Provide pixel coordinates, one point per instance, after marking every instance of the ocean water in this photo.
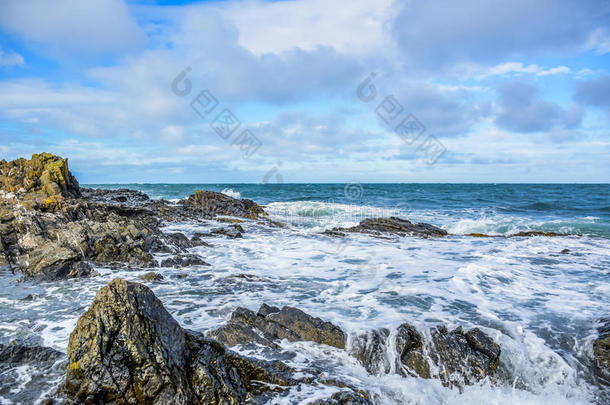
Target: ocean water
(541, 306)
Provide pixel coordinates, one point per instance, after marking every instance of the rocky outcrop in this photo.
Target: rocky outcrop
(601, 351)
(128, 349)
(43, 182)
(210, 204)
(49, 230)
(271, 324)
(392, 225)
(456, 357)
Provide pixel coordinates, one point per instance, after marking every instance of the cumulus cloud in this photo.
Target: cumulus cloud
(521, 110)
(63, 26)
(438, 34)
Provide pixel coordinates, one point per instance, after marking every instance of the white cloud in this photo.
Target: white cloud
(10, 59)
(65, 26)
(354, 26)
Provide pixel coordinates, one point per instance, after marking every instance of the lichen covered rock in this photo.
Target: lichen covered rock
(128, 349)
(44, 180)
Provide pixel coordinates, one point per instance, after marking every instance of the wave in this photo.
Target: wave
(231, 193)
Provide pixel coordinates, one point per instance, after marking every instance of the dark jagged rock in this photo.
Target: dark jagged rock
(128, 349)
(50, 230)
(455, 357)
(231, 232)
(210, 204)
(601, 351)
(17, 352)
(371, 351)
(274, 323)
(392, 225)
(184, 260)
(124, 197)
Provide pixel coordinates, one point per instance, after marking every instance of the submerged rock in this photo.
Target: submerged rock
(151, 276)
(601, 351)
(455, 357)
(210, 204)
(128, 349)
(392, 225)
(184, 260)
(271, 323)
(17, 352)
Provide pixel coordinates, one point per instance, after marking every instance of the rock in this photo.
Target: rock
(125, 197)
(231, 233)
(535, 233)
(17, 352)
(477, 235)
(273, 323)
(128, 349)
(371, 351)
(601, 351)
(43, 182)
(456, 358)
(184, 260)
(151, 276)
(210, 204)
(345, 398)
(60, 239)
(392, 225)
(565, 251)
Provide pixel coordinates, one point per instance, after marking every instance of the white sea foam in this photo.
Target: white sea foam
(231, 193)
(538, 304)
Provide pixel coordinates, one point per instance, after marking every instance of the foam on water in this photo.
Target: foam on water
(541, 306)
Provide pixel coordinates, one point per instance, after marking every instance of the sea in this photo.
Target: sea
(540, 298)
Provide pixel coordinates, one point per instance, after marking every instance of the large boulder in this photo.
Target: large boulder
(210, 204)
(391, 225)
(456, 357)
(44, 181)
(128, 349)
(601, 351)
(272, 323)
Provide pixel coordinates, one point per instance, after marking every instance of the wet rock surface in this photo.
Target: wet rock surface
(456, 357)
(128, 349)
(601, 351)
(210, 204)
(272, 323)
(392, 225)
(52, 229)
(18, 352)
(184, 260)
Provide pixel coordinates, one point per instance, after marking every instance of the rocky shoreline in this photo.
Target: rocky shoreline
(127, 348)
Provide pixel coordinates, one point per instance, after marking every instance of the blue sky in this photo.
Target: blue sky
(501, 91)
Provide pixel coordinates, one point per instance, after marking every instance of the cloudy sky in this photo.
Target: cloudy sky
(310, 90)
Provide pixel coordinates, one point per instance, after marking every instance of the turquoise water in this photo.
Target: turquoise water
(582, 209)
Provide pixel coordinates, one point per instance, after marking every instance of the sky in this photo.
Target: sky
(309, 90)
